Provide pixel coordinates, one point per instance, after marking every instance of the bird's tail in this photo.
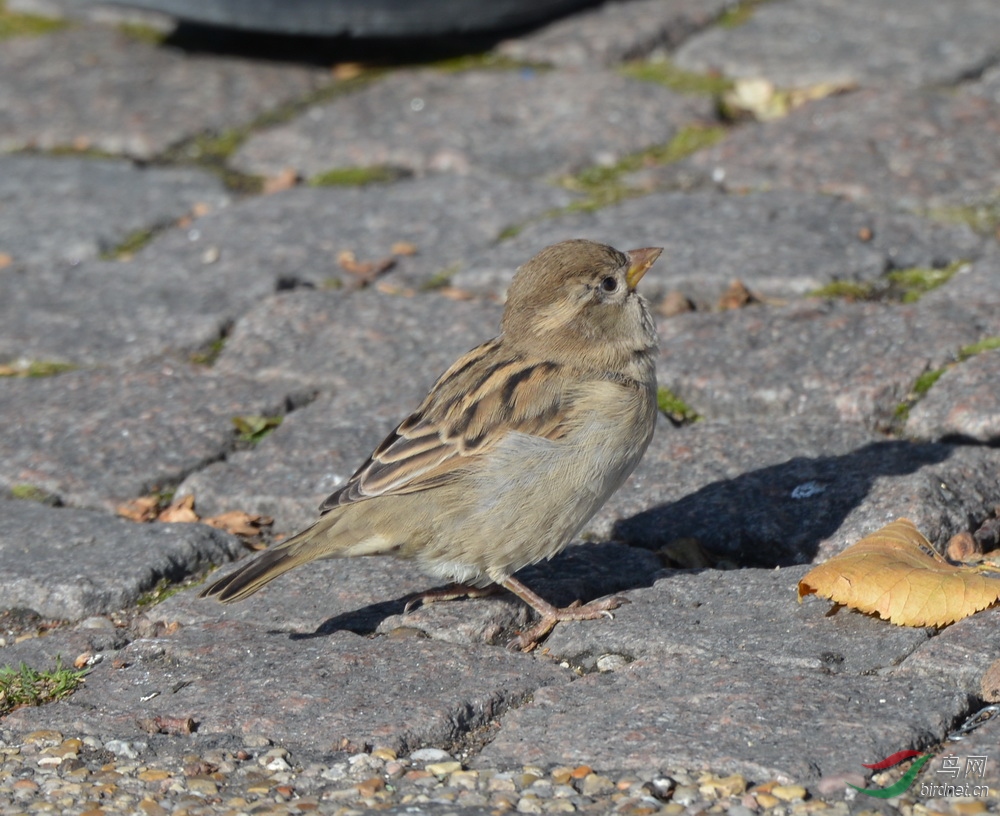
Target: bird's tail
(245, 581)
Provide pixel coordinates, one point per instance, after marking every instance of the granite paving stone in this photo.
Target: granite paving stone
(88, 87)
(779, 244)
(90, 206)
(927, 151)
(190, 283)
(748, 613)
(430, 120)
(848, 362)
(65, 563)
(338, 692)
(295, 237)
(895, 42)
(727, 713)
(612, 32)
(96, 438)
(327, 339)
(962, 404)
(108, 312)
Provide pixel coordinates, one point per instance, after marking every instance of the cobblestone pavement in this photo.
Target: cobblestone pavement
(228, 266)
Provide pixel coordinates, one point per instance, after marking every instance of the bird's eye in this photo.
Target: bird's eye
(609, 284)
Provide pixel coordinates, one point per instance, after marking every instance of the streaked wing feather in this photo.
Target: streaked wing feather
(484, 396)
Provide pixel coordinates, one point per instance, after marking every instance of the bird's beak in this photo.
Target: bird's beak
(639, 260)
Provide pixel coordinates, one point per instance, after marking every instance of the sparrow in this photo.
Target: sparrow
(514, 448)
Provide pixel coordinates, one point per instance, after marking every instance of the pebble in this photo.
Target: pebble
(430, 755)
(789, 793)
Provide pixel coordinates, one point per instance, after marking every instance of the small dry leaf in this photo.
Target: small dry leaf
(239, 522)
(365, 272)
(865, 234)
(454, 293)
(403, 248)
(347, 70)
(895, 574)
(962, 547)
(674, 303)
(180, 511)
(736, 297)
(5, 260)
(167, 725)
(762, 100)
(284, 180)
(143, 508)
(394, 289)
(82, 661)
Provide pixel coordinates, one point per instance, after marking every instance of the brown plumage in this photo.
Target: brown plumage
(515, 447)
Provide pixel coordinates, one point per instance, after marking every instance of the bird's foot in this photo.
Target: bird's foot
(451, 592)
(551, 615)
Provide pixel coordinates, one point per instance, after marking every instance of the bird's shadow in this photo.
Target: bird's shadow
(779, 515)
(773, 516)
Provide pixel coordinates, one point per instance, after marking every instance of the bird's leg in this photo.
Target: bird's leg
(449, 593)
(551, 615)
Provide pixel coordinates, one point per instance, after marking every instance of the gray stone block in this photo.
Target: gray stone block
(68, 564)
(73, 209)
(524, 124)
(779, 244)
(89, 88)
(849, 362)
(963, 403)
(97, 438)
(883, 147)
(338, 693)
(893, 42)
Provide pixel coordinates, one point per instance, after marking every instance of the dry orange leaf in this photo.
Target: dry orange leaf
(239, 522)
(896, 574)
(180, 511)
(141, 509)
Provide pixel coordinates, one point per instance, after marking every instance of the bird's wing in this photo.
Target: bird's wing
(484, 396)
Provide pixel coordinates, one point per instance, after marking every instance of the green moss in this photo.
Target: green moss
(251, 429)
(25, 686)
(490, 60)
(674, 408)
(909, 285)
(29, 492)
(510, 231)
(983, 217)
(207, 355)
(129, 245)
(986, 344)
(440, 279)
(602, 184)
(26, 25)
(354, 176)
(664, 72)
(35, 368)
(143, 33)
(926, 380)
(849, 290)
(737, 15)
(164, 589)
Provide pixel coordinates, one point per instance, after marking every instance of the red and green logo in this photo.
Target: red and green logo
(904, 782)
